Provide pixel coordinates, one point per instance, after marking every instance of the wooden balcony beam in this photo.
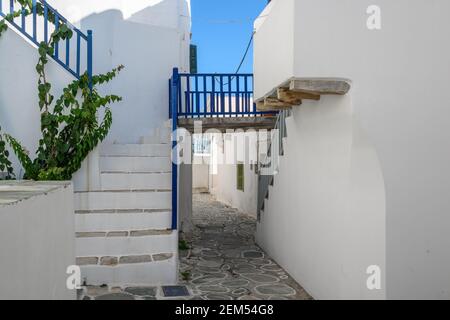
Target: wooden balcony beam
(320, 86)
(294, 91)
(223, 124)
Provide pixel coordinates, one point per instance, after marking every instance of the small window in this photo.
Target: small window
(201, 145)
(240, 176)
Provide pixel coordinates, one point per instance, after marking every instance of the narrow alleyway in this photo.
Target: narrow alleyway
(223, 262)
(218, 261)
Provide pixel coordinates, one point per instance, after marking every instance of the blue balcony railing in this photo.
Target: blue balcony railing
(214, 95)
(39, 21)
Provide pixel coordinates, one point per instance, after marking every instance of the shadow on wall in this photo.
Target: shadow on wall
(161, 14)
(150, 43)
(149, 53)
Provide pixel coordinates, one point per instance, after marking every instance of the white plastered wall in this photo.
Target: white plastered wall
(315, 222)
(229, 150)
(37, 245)
(400, 104)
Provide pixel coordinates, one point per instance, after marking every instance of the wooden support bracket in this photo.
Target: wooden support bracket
(277, 104)
(294, 97)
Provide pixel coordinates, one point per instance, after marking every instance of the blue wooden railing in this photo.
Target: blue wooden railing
(214, 95)
(37, 26)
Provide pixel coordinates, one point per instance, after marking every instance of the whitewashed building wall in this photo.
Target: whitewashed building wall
(393, 140)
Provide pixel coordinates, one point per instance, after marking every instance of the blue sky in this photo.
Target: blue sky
(222, 29)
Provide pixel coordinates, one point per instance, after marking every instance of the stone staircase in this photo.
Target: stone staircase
(123, 228)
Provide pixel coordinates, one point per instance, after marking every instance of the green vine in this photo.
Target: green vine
(5, 164)
(6, 168)
(70, 126)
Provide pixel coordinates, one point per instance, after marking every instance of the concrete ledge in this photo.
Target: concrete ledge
(12, 192)
(123, 234)
(293, 91)
(113, 261)
(37, 240)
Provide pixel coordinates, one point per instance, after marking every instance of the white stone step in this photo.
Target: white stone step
(136, 181)
(107, 222)
(152, 273)
(156, 140)
(136, 150)
(160, 135)
(102, 246)
(128, 200)
(135, 164)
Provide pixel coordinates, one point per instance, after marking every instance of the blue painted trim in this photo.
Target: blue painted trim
(205, 95)
(174, 107)
(200, 75)
(32, 36)
(67, 52)
(188, 94)
(34, 20)
(56, 44)
(232, 115)
(89, 57)
(78, 54)
(23, 15)
(197, 95)
(170, 98)
(45, 22)
(238, 96)
(213, 94)
(222, 96)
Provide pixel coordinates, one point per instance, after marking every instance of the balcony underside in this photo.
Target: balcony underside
(223, 124)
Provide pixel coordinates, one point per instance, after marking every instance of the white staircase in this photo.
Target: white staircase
(123, 228)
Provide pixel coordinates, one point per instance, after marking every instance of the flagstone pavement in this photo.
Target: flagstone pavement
(221, 262)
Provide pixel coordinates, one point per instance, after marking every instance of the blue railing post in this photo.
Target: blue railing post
(89, 57)
(170, 98)
(78, 63)
(56, 43)
(34, 20)
(174, 107)
(45, 22)
(23, 12)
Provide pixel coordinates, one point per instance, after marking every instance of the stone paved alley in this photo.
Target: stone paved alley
(222, 262)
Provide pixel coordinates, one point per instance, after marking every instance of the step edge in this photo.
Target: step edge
(132, 156)
(134, 172)
(125, 191)
(123, 211)
(115, 260)
(120, 234)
